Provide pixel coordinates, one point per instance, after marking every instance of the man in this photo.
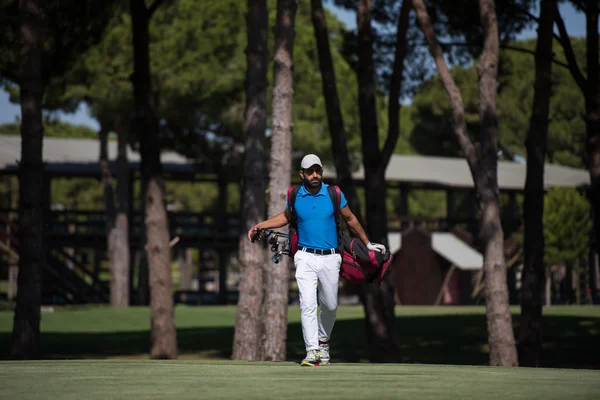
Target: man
(317, 260)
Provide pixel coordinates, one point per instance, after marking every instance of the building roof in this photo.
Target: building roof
(457, 252)
(455, 172)
(79, 155)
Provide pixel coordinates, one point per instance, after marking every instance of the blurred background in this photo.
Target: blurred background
(140, 140)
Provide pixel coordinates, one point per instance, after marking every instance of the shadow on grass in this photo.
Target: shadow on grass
(570, 342)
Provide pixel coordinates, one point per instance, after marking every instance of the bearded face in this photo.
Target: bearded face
(312, 176)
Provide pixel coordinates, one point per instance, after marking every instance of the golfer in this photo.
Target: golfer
(318, 259)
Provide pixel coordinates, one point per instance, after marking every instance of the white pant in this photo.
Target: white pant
(317, 276)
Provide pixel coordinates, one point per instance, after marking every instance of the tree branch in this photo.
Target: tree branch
(532, 52)
(396, 86)
(526, 13)
(565, 41)
(6, 248)
(508, 47)
(455, 97)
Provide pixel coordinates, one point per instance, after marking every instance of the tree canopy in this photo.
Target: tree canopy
(431, 115)
(567, 226)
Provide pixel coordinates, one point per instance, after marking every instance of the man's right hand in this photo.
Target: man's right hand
(251, 231)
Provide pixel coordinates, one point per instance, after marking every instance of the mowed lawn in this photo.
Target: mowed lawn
(139, 379)
(428, 335)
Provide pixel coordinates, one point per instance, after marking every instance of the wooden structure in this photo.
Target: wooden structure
(219, 231)
(435, 268)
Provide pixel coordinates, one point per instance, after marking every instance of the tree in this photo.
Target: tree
(590, 87)
(378, 301)
(49, 39)
(567, 225)
(117, 217)
(163, 335)
(483, 166)
(567, 228)
(500, 331)
(54, 128)
(26, 327)
(71, 29)
(247, 336)
(335, 120)
(530, 331)
(430, 113)
(280, 171)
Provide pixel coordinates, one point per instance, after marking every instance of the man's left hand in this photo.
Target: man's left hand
(376, 246)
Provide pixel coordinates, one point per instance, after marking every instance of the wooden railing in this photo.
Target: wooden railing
(93, 223)
(207, 224)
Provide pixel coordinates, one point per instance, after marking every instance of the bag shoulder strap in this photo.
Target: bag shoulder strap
(291, 199)
(334, 194)
(336, 198)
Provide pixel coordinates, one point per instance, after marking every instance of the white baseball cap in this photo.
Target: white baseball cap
(309, 160)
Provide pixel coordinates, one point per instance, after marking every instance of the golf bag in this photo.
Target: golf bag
(359, 264)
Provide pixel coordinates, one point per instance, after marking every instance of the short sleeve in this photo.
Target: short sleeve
(343, 201)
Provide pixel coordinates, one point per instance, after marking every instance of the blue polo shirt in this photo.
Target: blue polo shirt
(316, 220)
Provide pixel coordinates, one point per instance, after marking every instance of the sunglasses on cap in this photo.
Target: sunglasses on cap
(310, 171)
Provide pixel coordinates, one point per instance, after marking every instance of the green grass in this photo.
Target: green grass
(429, 335)
(78, 379)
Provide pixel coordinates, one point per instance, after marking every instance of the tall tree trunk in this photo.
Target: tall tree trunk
(592, 112)
(378, 301)
(248, 326)
(534, 271)
(500, 331)
(339, 148)
(26, 327)
(143, 283)
(280, 171)
(120, 266)
(163, 335)
(590, 88)
(484, 171)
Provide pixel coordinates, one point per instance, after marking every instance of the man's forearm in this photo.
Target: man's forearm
(357, 229)
(276, 221)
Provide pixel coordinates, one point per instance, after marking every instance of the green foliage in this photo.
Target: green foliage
(431, 115)
(77, 194)
(567, 225)
(70, 28)
(200, 196)
(198, 70)
(53, 128)
(311, 132)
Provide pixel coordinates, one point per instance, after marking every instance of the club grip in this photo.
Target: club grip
(255, 236)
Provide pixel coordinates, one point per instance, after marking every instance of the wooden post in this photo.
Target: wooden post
(46, 215)
(223, 258)
(403, 206)
(596, 272)
(222, 231)
(13, 266)
(450, 208)
(200, 280)
(185, 268)
(548, 286)
(513, 217)
(132, 250)
(444, 285)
